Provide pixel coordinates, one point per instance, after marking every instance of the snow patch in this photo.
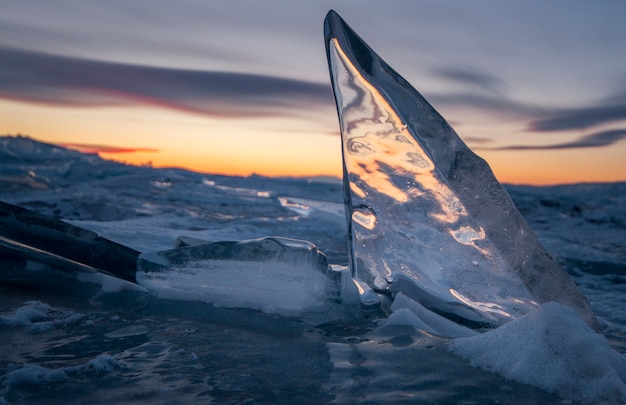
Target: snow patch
(40, 317)
(32, 374)
(553, 349)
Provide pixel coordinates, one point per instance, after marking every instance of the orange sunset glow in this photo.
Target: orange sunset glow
(230, 98)
(187, 141)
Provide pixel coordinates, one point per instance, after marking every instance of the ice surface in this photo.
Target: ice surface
(553, 349)
(273, 274)
(585, 223)
(189, 351)
(424, 212)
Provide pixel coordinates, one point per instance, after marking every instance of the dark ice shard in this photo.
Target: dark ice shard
(27, 235)
(426, 216)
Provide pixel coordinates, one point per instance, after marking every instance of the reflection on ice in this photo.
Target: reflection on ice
(305, 206)
(237, 190)
(295, 206)
(426, 216)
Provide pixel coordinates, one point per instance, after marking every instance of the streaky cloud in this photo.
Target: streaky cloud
(60, 80)
(490, 94)
(580, 118)
(594, 140)
(539, 118)
(94, 148)
(491, 103)
(477, 79)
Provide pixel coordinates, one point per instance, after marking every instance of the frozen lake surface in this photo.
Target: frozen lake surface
(90, 338)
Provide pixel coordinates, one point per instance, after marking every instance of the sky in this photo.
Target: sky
(538, 89)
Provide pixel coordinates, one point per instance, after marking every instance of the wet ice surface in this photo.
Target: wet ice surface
(64, 340)
(170, 352)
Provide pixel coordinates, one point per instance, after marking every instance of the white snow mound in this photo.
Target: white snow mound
(553, 349)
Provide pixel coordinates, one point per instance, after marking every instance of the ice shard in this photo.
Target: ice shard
(27, 235)
(426, 216)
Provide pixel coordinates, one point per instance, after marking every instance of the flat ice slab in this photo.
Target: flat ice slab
(272, 274)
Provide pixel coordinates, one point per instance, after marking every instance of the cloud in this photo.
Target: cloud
(606, 111)
(95, 149)
(580, 118)
(481, 80)
(594, 140)
(491, 95)
(539, 118)
(45, 78)
(498, 105)
(481, 91)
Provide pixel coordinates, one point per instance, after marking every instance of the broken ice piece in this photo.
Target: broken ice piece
(426, 216)
(273, 274)
(31, 236)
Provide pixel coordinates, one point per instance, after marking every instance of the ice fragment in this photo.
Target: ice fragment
(426, 216)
